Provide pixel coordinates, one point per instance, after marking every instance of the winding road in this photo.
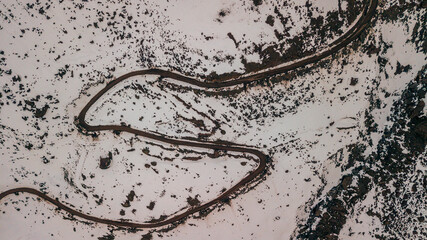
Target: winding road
(360, 24)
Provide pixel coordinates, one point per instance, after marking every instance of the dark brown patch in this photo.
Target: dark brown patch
(105, 163)
(151, 206)
(193, 201)
(270, 20)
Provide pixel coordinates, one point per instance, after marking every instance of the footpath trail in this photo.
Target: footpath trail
(360, 24)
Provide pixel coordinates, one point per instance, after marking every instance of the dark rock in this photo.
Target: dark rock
(421, 129)
(193, 201)
(418, 110)
(147, 236)
(372, 49)
(107, 237)
(151, 206)
(346, 181)
(131, 196)
(400, 68)
(270, 20)
(40, 112)
(257, 2)
(126, 204)
(45, 160)
(16, 78)
(29, 146)
(106, 162)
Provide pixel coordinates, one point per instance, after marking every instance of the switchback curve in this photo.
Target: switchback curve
(361, 24)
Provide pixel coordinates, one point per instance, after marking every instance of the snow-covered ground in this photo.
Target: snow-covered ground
(325, 126)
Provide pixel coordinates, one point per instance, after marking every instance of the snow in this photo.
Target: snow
(300, 123)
